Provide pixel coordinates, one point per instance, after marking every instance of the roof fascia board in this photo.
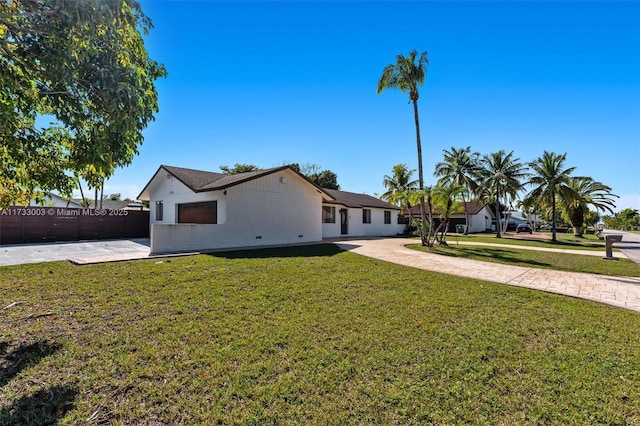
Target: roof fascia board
(149, 183)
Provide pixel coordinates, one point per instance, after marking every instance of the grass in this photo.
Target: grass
(564, 241)
(306, 335)
(538, 259)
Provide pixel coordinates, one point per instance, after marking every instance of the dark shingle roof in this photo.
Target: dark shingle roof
(193, 179)
(201, 181)
(351, 199)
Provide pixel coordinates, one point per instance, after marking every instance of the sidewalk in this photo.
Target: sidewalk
(623, 292)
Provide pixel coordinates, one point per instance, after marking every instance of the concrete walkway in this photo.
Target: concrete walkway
(623, 292)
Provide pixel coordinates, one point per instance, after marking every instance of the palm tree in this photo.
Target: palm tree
(447, 198)
(585, 191)
(399, 182)
(426, 195)
(406, 75)
(501, 176)
(460, 167)
(550, 179)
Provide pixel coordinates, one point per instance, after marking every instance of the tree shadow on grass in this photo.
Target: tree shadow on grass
(314, 250)
(13, 362)
(43, 407)
(494, 255)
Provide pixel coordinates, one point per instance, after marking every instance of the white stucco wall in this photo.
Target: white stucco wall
(281, 208)
(173, 192)
(377, 227)
(478, 221)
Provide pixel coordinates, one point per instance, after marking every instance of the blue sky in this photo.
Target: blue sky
(269, 83)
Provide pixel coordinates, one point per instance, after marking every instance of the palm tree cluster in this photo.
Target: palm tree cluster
(498, 179)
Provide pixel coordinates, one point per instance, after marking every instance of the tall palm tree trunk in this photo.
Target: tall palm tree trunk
(498, 222)
(466, 216)
(423, 215)
(553, 217)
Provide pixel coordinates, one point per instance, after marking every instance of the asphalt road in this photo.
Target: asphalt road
(630, 244)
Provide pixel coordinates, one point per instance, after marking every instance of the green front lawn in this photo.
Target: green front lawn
(306, 335)
(537, 259)
(564, 241)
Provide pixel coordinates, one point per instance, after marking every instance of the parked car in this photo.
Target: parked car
(524, 227)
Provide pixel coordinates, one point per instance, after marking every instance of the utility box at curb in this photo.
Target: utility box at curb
(609, 239)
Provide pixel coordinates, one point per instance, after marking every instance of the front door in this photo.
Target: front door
(344, 221)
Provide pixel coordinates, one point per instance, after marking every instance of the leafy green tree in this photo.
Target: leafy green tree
(83, 65)
(550, 179)
(627, 218)
(113, 197)
(238, 168)
(460, 167)
(501, 176)
(325, 179)
(399, 182)
(584, 192)
(407, 75)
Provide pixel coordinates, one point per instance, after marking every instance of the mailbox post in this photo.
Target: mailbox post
(609, 239)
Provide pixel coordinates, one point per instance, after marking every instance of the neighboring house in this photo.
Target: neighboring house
(481, 217)
(361, 215)
(54, 200)
(200, 210)
(514, 218)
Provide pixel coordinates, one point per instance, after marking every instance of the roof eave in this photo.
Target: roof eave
(139, 197)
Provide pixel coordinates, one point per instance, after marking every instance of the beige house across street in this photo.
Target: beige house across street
(195, 210)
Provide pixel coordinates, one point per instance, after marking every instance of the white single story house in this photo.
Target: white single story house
(199, 210)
